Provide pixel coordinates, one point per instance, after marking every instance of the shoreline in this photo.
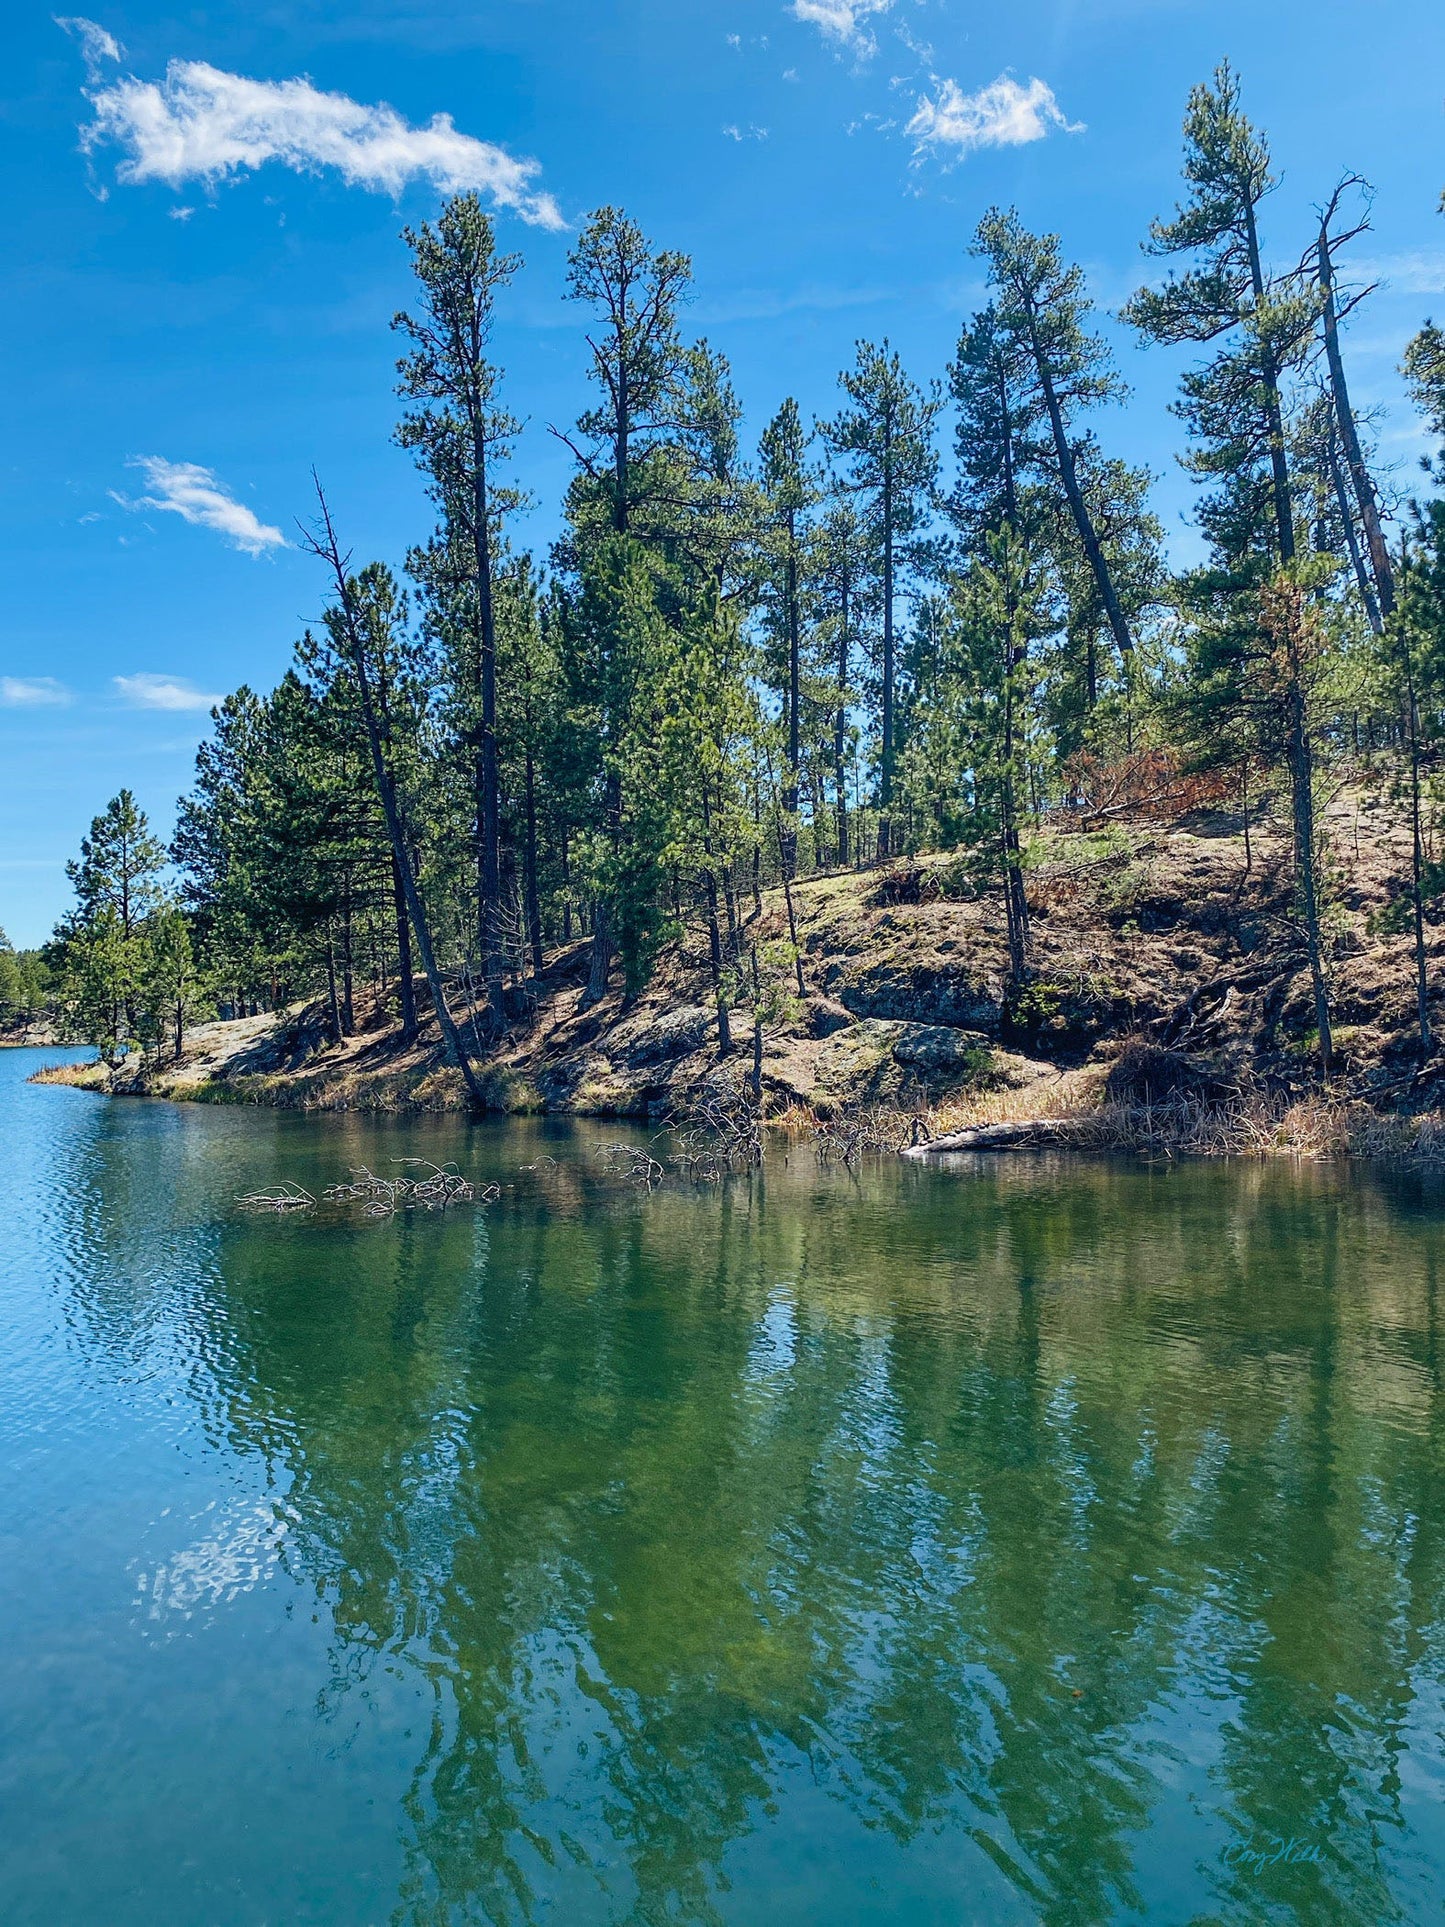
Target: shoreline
(1166, 1013)
(1320, 1127)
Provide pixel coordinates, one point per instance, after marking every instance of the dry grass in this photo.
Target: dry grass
(94, 1076)
(1073, 1112)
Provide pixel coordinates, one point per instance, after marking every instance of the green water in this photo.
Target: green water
(1030, 1542)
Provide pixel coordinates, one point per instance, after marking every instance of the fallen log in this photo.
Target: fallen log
(1017, 1134)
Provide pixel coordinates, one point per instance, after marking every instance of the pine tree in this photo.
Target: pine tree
(171, 981)
(626, 445)
(885, 441)
(25, 986)
(1042, 314)
(1424, 370)
(841, 575)
(215, 850)
(1414, 677)
(789, 491)
(1259, 326)
(460, 435)
(97, 952)
(118, 866)
(1257, 323)
(355, 627)
(636, 470)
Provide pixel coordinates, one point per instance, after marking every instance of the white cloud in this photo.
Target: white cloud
(1003, 114)
(96, 45)
(201, 124)
(748, 133)
(842, 21)
(145, 690)
(192, 492)
(32, 692)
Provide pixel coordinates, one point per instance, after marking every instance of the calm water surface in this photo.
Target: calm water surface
(1033, 1542)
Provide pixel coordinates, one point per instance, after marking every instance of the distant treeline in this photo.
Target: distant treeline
(26, 989)
(736, 667)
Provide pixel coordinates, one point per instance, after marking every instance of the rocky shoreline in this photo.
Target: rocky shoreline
(1162, 939)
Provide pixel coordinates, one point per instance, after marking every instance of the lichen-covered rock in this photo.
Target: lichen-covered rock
(660, 1038)
(893, 987)
(887, 1061)
(938, 1048)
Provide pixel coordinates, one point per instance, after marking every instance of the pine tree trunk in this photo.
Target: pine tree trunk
(601, 965)
(1425, 1042)
(714, 936)
(885, 779)
(1015, 896)
(488, 774)
(1078, 507)
(529, 864)
(407, 982)
(1273, 409)
(348, 1001)
(332, 997)
(795, 704)
(601, 955)
(715, 967)
(1301, 773)
(386, 789)
(840, 722)
(787, 889)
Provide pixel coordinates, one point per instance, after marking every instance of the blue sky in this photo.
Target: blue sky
(184, 342)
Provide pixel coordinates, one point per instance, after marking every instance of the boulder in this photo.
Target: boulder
(824, 1016)
(941, 1048)
(661, 1039)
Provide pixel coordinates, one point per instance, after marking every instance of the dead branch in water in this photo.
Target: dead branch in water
(437, 1186)
(719, 1131)
(290, 1197)
(880, 1131)
(634, 1162)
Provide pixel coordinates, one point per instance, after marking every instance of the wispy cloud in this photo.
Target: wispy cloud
(202, 124)
(96, 45)
(844, 22)
(748, 133)
(1417, 271)
(32, 692)
(767, 304)
(192, 492)
(146, 690)
(1003, 114)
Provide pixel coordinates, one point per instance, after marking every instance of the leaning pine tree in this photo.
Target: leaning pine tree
(1258, 629)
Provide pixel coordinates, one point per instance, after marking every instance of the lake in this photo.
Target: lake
(1031, 1541)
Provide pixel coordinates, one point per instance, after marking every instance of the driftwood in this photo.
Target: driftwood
(1016, 1134)
(290, 1197)
(435, 1187)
